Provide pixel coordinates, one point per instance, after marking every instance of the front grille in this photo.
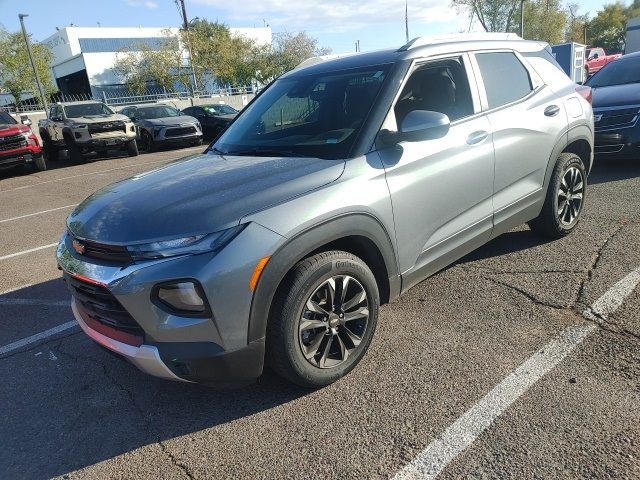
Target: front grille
(177, 132)
(13, 142)
(617, 119)
(103, 127)
(101, 251)
(99, 304)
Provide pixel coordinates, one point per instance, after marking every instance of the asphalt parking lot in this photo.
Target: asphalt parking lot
(489, 369)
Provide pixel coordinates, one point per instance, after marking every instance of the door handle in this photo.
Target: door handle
(477, 137)
(552, 110)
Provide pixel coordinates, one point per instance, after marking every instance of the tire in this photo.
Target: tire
(564, 199)
(326, 337)
(75, 155)
(40, 163)
(147, 142)
(48, 146)
(132, 148)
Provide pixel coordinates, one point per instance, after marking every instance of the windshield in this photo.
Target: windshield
(618, 72)
(86, 109)
(161, 111)
(220, 109)
(306, 115)
(5, 119)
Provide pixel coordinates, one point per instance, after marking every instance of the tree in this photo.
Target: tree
(493, 15)
(544, 20)
(16, 73)
(576, 24)
(286, 53)
(141, 64)
(608, 28)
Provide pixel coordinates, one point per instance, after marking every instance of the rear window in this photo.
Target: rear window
(505, 78)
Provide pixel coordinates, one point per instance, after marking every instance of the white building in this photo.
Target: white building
(83, 57)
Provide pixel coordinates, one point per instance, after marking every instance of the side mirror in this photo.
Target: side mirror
(25, 120)
(419, 125)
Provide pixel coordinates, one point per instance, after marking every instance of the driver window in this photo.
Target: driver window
(440, 86)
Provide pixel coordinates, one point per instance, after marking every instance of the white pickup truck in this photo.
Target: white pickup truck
(83, 127)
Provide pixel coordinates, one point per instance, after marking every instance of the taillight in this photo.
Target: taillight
(586, 92)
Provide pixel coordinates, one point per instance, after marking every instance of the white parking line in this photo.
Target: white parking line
(24, 252)
(430, 462)
(37, 213)
(37, 337)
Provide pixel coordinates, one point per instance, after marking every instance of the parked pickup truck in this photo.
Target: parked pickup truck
(83, 127)
(18, 144)
(597, 58)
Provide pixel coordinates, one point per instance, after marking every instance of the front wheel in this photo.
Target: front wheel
(40, 163)
(147, 142)
(565, 198)
(132, 148)
(323, 319)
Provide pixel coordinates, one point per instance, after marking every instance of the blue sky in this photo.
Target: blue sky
(335, 23)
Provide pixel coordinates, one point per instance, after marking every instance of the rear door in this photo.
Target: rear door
(440, 189)
(527, 118)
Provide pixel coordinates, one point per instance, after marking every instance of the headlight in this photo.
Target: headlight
(156, 131)
(78, 125)
(212, 242)
(198, 126)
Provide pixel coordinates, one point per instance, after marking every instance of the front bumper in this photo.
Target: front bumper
(14, 158)
(618, 144)
(212, 350)
(92, 143)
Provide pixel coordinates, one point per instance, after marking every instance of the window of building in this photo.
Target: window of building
(99, 45)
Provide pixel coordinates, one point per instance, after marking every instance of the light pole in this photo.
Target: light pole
(522, 18)
(43, 99)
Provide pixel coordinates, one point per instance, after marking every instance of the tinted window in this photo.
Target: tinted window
(619, 72)
(157, 112)
(315, 115)
(505, 78)
(440, 86)
(87, 109)
(6, 118)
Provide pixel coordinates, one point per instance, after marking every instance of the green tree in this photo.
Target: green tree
(544, 20)
(608, 28)
(16, 73)
(287, 52)
(140, 65)
(576, 24)
(493, 15)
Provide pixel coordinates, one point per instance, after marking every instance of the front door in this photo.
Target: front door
(440, 189)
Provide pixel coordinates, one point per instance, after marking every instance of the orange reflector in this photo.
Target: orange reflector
(257, 272)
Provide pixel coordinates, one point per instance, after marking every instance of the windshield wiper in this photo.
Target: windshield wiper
(263, 152)
(216, 150)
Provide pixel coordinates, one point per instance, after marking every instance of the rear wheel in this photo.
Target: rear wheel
(565, 198)
(324, 319)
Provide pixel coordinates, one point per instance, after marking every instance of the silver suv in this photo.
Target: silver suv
(341, 186)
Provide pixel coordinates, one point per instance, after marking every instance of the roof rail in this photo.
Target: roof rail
(458, 37)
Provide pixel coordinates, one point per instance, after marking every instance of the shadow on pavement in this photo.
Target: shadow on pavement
(613, 170)
(68, 404)
(505, 244)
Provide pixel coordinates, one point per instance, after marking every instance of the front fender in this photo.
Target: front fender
(298, 247)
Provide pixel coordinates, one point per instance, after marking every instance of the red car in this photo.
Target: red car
(597, 58)
(19, 145)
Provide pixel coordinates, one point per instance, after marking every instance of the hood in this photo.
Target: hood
(169, 121)
(105, 117)
(7, 130)
(200, 194)
(616, 95)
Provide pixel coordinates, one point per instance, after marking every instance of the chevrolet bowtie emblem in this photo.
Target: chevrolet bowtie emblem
(78, 247)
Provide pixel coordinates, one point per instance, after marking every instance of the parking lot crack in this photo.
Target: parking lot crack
(528, 295)
(181, 466)
(609, 325)
(594, 264)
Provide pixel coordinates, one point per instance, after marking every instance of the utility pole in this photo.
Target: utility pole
(406, 19)
(185, 25)
(522, 18)
(43, 99)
